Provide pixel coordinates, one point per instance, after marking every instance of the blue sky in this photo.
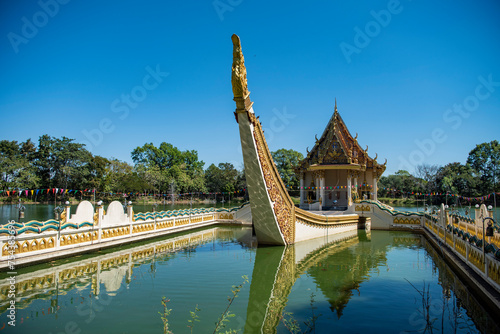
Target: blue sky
(419, 81)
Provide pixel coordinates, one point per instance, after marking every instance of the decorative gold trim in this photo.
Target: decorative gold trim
(406, 221)
(29, 246)
(239, 78)
(308, 218)
(362, 208)
(283, 205)
(343, 166)
(226, 216)
(114, 232)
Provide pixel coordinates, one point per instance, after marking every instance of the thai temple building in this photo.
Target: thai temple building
(337, 171)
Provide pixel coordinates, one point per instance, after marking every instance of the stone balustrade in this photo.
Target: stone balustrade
(465, 240)
(86, 230)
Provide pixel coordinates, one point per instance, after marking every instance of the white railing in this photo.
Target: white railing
(23, 243)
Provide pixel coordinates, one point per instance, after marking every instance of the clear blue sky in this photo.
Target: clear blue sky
(67, 69)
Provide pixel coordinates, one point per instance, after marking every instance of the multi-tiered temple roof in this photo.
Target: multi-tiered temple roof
(338, 149)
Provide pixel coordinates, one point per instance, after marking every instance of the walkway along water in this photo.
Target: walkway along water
(90, 229)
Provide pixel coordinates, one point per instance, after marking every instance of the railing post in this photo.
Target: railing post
(58, 240)
(68, 211)
(100, 216)
(130, 213)
(467, 249)
(453, 234)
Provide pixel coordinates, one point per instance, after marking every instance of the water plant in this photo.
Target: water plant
(165, 314)
(222, 321)
(293, 326)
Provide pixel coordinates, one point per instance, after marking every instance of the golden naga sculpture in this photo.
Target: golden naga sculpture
(63, 217)
(239, 76)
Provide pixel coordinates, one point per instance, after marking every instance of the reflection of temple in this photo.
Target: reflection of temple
(277, 268)
(338, 265)
(337, 170)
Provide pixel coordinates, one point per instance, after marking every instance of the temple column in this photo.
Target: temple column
(302, 176)
(375, 188)
(356, 184)
(322, 188)
(316, 182)
(355, 174)
(349, 194)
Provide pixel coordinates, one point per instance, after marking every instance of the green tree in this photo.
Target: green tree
(402, 181)
(170, 165)
(484, 160)
(98, 173)
(426, 176)
(221, 178)
(62, 163)
(286, 161)
(121, 177)
(456, 178)
(16, 165)
(241, 181)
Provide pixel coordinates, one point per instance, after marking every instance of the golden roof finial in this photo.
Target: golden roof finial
(239, 74)
(335, 104)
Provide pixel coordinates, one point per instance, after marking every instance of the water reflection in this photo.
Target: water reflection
(277, 268)
(461, 295)
(338, 269)
(110, 270)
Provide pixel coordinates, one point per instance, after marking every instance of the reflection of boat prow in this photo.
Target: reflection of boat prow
(277, 268)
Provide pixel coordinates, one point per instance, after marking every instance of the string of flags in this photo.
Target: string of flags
(330, 187)
(365, 186)
(61, 191)
(469, 199)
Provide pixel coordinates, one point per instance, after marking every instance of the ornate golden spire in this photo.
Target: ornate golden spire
(239, 77)
(335, 104)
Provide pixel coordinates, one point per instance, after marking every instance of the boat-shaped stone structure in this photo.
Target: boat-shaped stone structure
(276, 219)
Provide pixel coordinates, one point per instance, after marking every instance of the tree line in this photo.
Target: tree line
(164, 169)
(479, 176)
(63, 163)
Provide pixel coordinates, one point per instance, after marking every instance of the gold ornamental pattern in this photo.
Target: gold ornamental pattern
(283, 283)
(283, 206)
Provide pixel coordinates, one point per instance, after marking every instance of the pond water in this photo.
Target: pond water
(356, 282)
